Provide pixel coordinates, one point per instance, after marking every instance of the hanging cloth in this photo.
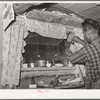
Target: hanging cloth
(12, 52)
(46, 29)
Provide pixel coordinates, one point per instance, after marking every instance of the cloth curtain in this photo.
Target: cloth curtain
(13, 44)
(46, 29)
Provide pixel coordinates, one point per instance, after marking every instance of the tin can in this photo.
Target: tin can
(31, 65)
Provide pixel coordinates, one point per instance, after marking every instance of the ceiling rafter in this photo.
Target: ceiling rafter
(70, 11)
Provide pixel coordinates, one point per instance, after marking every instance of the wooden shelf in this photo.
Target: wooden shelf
(47, 69)
(39, 71)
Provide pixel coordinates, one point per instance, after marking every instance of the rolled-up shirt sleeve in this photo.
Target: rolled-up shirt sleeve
(78, 57)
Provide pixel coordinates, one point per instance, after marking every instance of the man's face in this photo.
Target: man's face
(88, 32)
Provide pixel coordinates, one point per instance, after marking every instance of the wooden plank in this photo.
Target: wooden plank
(46, 73)
(47, 69)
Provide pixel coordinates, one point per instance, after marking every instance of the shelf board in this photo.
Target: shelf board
(47, 69)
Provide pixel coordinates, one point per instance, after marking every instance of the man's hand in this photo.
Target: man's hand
(70, 37)
(68, 52)
(78, 40)
(67, 44)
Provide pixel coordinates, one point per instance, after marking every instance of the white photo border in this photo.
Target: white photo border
(49, 93)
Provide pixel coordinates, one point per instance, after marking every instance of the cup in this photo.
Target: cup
(31, 65)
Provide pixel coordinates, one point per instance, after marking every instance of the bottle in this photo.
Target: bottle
(32, 85)
(53, 63)
(48, 64)
(31, 64)
(32, 80)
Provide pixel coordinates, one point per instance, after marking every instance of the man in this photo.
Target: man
(89, 55)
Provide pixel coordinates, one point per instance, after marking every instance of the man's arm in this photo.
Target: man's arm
(78, 57)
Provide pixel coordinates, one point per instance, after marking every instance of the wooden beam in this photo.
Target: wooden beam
(64, 10)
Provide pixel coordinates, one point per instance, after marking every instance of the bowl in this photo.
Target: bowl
(59, 65)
